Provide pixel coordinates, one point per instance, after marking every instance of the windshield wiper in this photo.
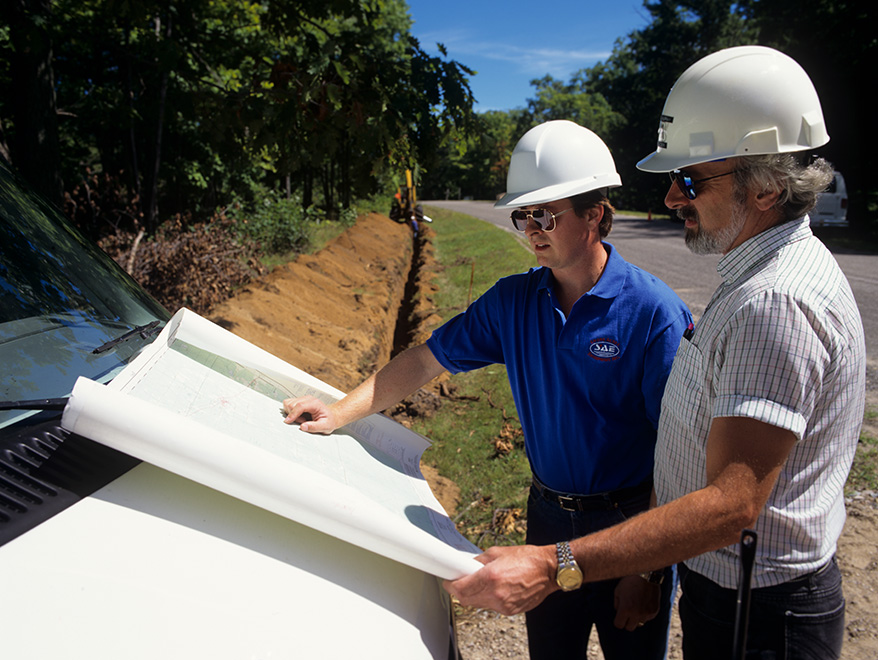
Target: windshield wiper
(145, 331)
(34, 404)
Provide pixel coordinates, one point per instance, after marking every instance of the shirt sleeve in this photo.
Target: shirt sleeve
(472, 339)
(773, 360)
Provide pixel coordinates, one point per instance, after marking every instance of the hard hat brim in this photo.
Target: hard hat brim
(560, 191)
(659, 162)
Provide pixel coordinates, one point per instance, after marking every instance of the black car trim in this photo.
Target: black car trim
(45, 469)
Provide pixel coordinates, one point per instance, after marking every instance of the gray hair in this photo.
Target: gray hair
(798, 180)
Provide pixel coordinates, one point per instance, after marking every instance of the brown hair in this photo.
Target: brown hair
(584, 201)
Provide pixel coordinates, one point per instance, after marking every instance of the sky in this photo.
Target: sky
(512, 42)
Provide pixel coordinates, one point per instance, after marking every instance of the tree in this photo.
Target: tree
(184, 105)
(836, 43)
(621, 98)
(637, 77)
(474, 164)
(573, 101)
(34, 124)
(372, 99)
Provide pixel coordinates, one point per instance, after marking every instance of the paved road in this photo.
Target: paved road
(657, 246)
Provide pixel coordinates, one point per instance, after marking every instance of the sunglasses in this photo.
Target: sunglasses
(544, 218)
(686, 183)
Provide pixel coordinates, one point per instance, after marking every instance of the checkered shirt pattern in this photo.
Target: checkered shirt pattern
(782, 342)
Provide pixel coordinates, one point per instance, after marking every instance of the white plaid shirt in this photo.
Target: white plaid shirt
(781, 341)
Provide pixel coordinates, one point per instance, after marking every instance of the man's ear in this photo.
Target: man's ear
(766, 199)
(594, 214)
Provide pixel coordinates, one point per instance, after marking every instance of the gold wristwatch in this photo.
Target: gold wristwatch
(569, 575)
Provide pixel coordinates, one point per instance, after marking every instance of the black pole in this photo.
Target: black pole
(742, 609)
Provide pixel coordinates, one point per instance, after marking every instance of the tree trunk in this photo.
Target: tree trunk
(345, 176)
(307, 189)
(132, 135)
(152, 189)
(34, 147)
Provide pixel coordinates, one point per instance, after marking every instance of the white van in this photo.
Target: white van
(832, 205)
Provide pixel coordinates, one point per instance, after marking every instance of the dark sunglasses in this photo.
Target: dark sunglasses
(686, 183)
(544, 218)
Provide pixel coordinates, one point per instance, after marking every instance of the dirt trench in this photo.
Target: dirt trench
(344, 312)
(332, 314)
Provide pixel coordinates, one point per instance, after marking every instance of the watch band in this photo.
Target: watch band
(569, 575)
(565, 554)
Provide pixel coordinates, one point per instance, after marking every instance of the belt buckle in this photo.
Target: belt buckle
(568, 503)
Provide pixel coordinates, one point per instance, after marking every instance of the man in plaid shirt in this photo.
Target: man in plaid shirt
(761, 413)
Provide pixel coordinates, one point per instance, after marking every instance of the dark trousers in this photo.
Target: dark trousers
(560, 626)
(798, 620)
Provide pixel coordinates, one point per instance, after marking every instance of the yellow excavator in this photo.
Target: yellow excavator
(405, 207)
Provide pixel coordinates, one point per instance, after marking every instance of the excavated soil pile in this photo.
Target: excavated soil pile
(333, 314)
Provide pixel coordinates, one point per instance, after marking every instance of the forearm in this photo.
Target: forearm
(516, 579)
(400, 377)
(699, 522)
(744, 458)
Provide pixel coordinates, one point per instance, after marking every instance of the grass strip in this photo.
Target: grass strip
(477, 439)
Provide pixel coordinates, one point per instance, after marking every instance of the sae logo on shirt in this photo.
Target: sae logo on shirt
(604, 349)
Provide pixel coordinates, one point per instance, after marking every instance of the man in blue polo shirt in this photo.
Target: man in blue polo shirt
(588, 341)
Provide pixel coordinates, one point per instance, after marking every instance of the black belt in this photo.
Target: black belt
(609, 500)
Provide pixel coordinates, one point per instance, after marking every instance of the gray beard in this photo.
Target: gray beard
(719, 241)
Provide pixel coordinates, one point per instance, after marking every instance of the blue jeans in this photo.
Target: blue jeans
(798, 620)
(560, 626)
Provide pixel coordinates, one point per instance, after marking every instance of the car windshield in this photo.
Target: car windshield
(61, 298)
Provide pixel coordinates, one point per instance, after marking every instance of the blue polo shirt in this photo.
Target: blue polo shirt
(588, 388)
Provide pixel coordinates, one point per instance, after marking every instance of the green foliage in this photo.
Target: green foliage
(835, 42)
(278, 225)
(621, 98)
(475, 164)
(194, 103)
(189, 104)
(573, 101)
(493, 485)
(643, 67)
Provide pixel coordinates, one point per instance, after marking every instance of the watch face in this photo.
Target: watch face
(569, 578)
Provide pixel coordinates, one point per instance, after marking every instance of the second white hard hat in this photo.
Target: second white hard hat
(554, 160)
(740, 101)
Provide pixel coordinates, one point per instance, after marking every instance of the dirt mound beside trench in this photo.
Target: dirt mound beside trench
(335, 314)
(332, 314)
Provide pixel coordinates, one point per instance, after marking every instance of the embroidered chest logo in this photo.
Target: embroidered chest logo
(604, 350)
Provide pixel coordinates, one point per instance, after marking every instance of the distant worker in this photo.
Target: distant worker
(762, 410)
(405, 207)
(587, 340)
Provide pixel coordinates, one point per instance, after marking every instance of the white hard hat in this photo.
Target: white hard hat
(555, 160)
(739, 101)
